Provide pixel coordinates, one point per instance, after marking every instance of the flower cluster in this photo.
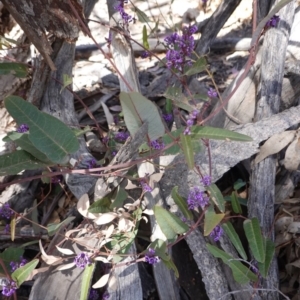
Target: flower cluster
(125, 17)
(273, 22)
(145, 186)
(6, 212)
(92, 163)
(197, 198)
(122, 136)
(15, 265)
(105, 296)
(181, 48)
(150, 258)
(23, 128)
(145, 54)
(167, 117)
(93, 295)
(9, 288)
(190, 122)
(81, 260)
(212, 93)
(216, 233)
(206, 180)
(157, 145)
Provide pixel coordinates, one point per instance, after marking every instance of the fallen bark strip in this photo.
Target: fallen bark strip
(262, 179)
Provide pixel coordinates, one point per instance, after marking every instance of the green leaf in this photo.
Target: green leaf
(235, 203)
(218, 134)
(160, 248)
(171, 266)
(119, 197)
(178, 98)
(211, 220)
(48, 134)
(86, 281)
(270, 250)
(241, 201)
(186, 142)
(216, 196)
(239, 184)
(255, 239)
(145, 38)
(233, 236)
(175, 149)
(137, 110)
(241, 273)
(22, 273)
(8, 255)
(53, 228)
(182, 204)
(197, 67)
(22, 140)
(17, 69)
(6, 42)
(142, 17)
(170, 224)
(169, 106)
(15, 162)
(102, 205)
(67, 80)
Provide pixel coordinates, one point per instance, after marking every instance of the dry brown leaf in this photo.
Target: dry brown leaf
(275, 144)
(37, 271)
(109, 231)
(130, 186)
(83, 205)
(65, 267)
(105, 218)
(292, 156)
(48, 259)
(294, 227)
(101, 258)
(282, 224)
(65, 250)
(101, 282)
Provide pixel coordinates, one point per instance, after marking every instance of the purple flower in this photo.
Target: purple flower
(105, 296)
(9, 288)
(167, 117)
(6, 212)
(122, 136)
(146, 187)
(182, 47)
(157, 145)
(92, 163)
(206, 180)
(150, 258)
(190, 122)
(273, 22)
(7, 229)
(197, 198)
(216, 233)
(81, 260)
(187, 131)
(126, 17)
(105, 139)
(212, 93)
(56, 179)
(15, 265)
(93, 295)
(145, 54)
(23, 128)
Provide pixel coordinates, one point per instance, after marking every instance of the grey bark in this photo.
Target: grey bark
(262, 193)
